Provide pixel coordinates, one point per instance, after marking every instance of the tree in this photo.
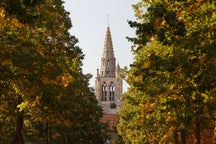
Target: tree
(142, 118)
(42, 84)
(185, 103)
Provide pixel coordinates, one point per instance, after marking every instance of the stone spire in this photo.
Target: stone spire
(118, 71)
(108, 61)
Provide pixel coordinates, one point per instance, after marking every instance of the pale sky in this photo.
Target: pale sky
(89, 19)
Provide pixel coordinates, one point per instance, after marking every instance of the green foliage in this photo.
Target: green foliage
(172, 79)
(41, 83)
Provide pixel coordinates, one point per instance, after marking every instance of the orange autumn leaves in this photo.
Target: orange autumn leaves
(63, 80)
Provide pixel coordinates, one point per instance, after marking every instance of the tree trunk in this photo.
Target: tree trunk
(183, 136)
(198, 132)
(176, 136)
(18, 137)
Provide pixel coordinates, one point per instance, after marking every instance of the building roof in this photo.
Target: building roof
(111, 119)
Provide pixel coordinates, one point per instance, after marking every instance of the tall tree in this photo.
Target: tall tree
(185, 104)
(42, 86)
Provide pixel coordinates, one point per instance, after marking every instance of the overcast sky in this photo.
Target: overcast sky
(89, 19)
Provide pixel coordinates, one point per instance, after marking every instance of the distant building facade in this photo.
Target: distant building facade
(108, 84)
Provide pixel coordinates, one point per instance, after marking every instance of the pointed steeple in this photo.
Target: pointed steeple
(118, 69)
(108, 58)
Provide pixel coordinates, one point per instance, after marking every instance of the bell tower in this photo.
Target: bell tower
(108, 84)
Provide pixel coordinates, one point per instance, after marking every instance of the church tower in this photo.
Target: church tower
(108, 84)
(108, 88)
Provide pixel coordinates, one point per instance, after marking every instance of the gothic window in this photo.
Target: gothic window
(108, 63)
(112, 92)
(104, 92)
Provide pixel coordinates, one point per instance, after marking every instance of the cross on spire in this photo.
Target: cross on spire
(108, 20)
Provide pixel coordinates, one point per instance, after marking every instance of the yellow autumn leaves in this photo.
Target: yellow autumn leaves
(63, 80)
(2, 19)
(14, 23)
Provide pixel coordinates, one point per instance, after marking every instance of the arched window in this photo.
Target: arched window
(104, 92)
(108, 63)
(112, 92)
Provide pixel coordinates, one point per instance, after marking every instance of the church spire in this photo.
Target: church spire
(108, 58)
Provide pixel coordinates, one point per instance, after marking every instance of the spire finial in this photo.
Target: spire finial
(108, 20)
